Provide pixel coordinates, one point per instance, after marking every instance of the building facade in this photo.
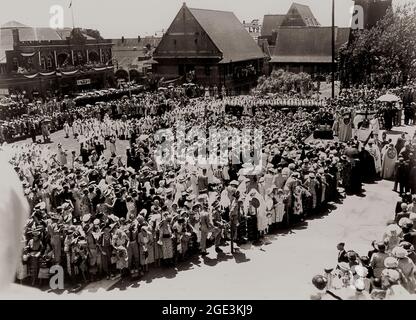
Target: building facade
(253, 28)
(132, 57)
(297, 42)
(47, 62)
(306, 49)
(209, 48)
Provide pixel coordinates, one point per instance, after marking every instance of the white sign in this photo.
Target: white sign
(83, 82)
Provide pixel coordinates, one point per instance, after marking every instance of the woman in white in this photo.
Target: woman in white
(262, 223)
(270, 208)
(75, 129)
(280, 199)
(375, 128)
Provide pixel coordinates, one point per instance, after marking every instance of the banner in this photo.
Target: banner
(48, 73)
(32, 76)
(69, 73)
(100, 69)
(24, 54)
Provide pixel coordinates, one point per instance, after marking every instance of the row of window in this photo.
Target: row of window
(47, 62)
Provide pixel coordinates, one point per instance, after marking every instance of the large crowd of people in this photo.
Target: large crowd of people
(387, 271)
(99, 211)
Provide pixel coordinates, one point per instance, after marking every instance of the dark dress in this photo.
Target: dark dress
(120, 208)
(356, 171)
(368, 172)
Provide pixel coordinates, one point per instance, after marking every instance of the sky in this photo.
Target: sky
(130, 18)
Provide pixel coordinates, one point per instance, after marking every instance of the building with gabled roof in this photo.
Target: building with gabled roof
(270, 23)
(300, 15)
(211, 48)
(133, 56)
(297, 42)
(306, 49)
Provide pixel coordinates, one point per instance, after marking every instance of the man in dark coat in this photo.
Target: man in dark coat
(342, 254)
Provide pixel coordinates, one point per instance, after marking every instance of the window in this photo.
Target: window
(43, 63)
(15, 63)
(196, 41)
(49, 62)
(174, 42)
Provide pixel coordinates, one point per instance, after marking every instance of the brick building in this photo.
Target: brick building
(46, 62)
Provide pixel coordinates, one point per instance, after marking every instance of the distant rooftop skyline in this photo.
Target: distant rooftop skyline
(130, 18)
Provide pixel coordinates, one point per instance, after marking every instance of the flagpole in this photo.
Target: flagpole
(72, 13)
(333, 51)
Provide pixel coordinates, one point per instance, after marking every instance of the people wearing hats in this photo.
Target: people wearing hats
(375, 153)
(166, 241)
(202, 181)
(406, 267)
(90, 230)
(360, 292)
(146, 247)
(389, 160)
(105, 249)
(320, 283)
(378, 259)
(312, 185)
(133, 256)
(55, 230)
(207, 226)
(404, 212)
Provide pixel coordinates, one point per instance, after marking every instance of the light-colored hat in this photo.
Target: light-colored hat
(361, 271)
(399, 252)
(391, 263)
(234, 183)
(344, 266)
(403, 222)
(392, 274)
(359, 285)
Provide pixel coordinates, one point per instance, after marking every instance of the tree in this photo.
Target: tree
(284, 82)
(383, 55)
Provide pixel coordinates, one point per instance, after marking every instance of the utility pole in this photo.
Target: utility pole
(333, 51)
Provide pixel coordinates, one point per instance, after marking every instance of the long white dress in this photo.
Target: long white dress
(389, 161)
(262, 222)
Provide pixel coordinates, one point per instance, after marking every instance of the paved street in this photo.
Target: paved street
(281, 269)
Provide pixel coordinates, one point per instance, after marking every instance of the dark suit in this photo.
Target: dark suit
(342, 256)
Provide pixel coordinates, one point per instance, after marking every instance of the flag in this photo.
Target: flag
(70, 4)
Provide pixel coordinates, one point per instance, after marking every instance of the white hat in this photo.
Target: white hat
(391, 262)
(361, 271)
(399, 252)
(359, 285)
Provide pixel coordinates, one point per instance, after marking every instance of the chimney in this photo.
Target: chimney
(16, 38)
